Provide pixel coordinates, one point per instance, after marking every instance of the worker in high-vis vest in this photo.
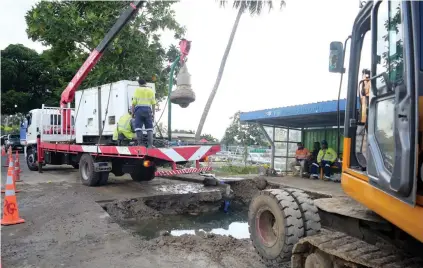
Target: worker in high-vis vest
(143, 104)
(124, 129)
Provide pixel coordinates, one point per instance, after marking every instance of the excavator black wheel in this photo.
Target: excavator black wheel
(275, 225)
(278, 219)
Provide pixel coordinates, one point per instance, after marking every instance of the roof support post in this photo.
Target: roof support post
(287, 151)
(272, 144)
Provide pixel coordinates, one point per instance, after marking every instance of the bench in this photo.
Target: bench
(335, 168)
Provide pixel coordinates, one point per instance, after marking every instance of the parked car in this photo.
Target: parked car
(3, 139)
(14, 142)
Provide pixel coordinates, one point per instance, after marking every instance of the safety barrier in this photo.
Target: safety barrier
(57, 124)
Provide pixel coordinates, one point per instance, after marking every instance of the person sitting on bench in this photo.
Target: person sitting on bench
(325, 159)
(301, 157)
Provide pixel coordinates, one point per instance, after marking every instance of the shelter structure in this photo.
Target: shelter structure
(284, 127)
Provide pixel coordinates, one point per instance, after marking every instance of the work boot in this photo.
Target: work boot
(149, 139)
(139, 137)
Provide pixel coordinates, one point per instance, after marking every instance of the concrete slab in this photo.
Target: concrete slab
(324, 188)
(327, 188)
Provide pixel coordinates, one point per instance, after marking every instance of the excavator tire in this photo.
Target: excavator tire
(334, 249)
(275, 225)
(309, 211)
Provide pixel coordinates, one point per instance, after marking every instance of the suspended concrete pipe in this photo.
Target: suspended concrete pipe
(183, 95)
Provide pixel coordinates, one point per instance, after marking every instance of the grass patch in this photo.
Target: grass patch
(234, 170)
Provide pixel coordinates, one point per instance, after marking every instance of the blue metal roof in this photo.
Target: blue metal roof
(304, 115)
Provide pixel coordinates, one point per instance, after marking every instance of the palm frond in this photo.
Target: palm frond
(254, 7)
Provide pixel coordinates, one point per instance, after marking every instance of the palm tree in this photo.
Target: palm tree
(254, 8)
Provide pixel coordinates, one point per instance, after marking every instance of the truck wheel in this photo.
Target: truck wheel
(143, 174)
(309, 211)
(86, 169)
(104, 177)
(275, 225)
(31, 159)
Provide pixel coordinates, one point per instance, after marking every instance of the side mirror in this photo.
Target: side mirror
(336, 61)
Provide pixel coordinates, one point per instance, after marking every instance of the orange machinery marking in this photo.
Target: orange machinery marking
(404, 216)
(346, 154)
(360, 176)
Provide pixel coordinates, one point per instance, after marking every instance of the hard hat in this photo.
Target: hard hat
(324, 142)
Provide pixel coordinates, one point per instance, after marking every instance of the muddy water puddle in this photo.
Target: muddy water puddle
(232, 223)
(184, 188)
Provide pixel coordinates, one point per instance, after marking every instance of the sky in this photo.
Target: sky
(277, 59)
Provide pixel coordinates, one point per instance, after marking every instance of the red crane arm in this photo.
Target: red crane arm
(68, 94)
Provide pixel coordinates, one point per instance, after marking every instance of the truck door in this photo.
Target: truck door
(392, 128)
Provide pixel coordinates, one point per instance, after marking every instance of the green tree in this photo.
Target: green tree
(74, 28)
(209, 138)
(243, 134)
(252, 7)
(27, 81)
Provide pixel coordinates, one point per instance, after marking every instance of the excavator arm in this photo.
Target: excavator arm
(68, 94)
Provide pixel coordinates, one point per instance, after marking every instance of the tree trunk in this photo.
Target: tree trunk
(219, 75)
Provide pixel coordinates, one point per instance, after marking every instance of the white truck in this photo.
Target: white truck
(94, 107)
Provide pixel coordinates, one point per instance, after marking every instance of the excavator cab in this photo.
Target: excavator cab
(382, 139)
(381, 134)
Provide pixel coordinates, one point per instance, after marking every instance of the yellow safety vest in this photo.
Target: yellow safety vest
(124, 127)
(144, 96)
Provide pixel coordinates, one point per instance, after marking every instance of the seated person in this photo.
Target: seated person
(124, 129)
(315, 152)
(325, 159)
(301, 157)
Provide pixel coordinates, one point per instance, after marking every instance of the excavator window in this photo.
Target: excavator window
(389, 52)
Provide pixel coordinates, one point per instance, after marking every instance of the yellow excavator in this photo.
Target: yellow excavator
(380, 221)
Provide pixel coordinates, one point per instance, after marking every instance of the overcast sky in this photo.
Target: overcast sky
(277, 59)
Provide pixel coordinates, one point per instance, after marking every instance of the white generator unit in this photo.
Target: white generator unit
(91, 105)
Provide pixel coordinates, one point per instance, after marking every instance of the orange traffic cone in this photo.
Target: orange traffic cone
(10, 205)
(9, 153)
(3, 151)
(17, 170)
(17, 161)
(11, 166)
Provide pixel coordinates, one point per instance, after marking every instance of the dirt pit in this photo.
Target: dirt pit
(233, 222)
(194, 223)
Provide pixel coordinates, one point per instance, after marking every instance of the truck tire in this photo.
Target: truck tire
(275, 225)
(104, 177)
(31, 159)
(309, 211)
(143, 174)
(86, 170)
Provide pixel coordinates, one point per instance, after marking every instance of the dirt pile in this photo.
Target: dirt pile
(245, 190)
(132, 208)
(217, 247)
(157, 206)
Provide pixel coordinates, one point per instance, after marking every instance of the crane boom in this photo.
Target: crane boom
(68, 94)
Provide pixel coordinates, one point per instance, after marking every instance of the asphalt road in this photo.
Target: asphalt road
(66, 227)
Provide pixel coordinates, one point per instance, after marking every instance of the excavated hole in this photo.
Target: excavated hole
(178, 215)
(191, 213)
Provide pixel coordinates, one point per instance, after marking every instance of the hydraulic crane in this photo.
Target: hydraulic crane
(55, 136)
(183, 96)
